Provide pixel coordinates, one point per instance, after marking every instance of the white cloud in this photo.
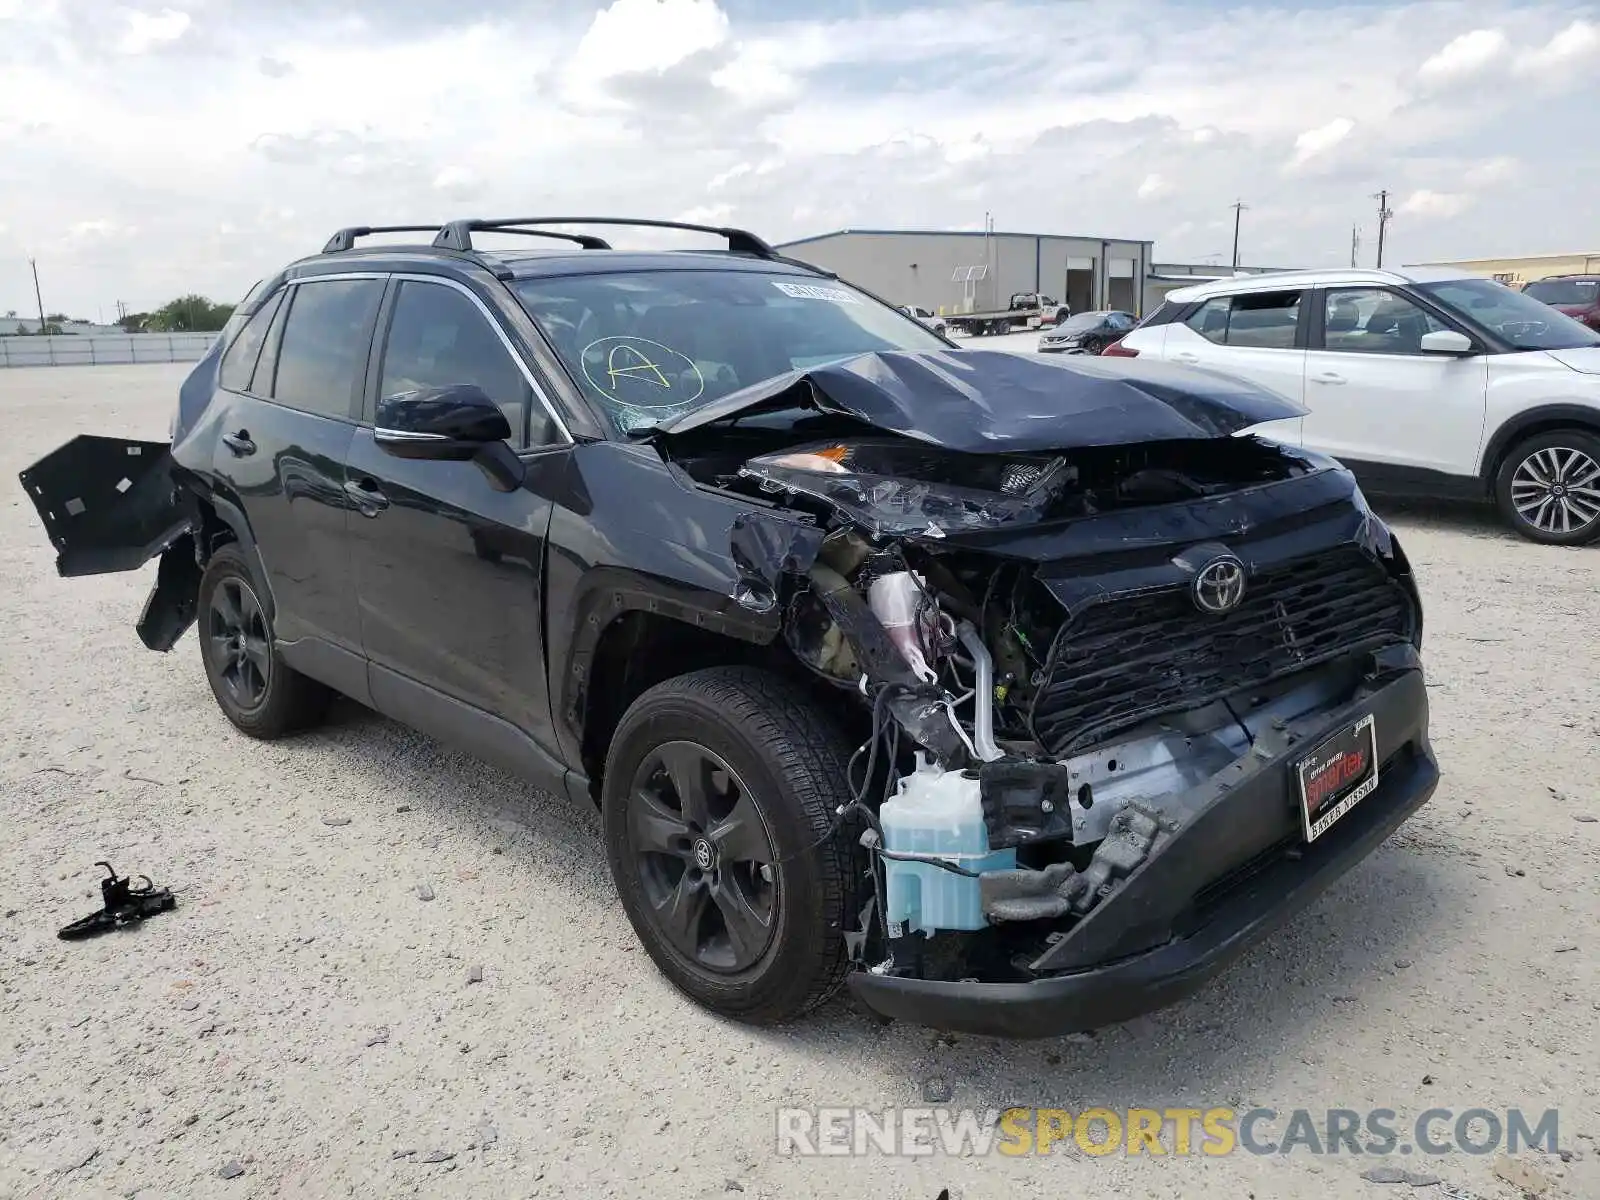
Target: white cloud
(630, 37)
(769, 116)
(1425, 203)
(457, 181)
(1490, 171)
(1578, 43)
(146, 31)
(1153, 187)
(1465, 56)
(1318, 141)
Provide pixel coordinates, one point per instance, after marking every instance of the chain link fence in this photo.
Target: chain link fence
(87, 350)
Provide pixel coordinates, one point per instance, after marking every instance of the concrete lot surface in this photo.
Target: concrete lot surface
(304, 1022)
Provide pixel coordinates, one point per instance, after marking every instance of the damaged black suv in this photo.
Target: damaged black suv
(1020, 694)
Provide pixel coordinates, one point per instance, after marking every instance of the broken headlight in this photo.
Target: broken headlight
(901, 487)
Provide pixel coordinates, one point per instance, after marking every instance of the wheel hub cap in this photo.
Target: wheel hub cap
(704, 858)
(239, 642)
(1557, 490)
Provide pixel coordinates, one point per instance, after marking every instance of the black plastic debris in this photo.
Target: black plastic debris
(124, 904)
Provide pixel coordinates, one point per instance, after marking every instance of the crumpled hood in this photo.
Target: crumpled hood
(987, 401)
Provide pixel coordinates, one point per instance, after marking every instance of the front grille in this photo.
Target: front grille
(1123, 661)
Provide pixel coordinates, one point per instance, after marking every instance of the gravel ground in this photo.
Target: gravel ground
(308, 1024)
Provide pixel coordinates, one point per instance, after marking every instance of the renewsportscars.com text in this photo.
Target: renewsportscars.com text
(1212, 1132)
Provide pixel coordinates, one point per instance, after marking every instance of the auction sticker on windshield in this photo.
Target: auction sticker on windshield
(1337, 776)
(810, 291)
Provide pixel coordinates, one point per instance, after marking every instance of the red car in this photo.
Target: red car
(1576, 295)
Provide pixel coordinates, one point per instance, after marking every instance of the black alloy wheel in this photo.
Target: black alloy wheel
(718, 808)
(704, 857)
(255, 689)
(241, 643)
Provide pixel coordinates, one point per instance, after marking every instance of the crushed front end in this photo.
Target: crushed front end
(1128, 707)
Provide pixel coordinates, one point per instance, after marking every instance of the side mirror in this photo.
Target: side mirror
(450, 424)
(1447, 341)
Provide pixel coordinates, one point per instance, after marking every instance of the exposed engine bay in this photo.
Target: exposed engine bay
(1044, 710)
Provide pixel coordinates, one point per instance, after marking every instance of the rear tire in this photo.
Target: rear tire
(1548, 488)
(731, 893)
(256, 690)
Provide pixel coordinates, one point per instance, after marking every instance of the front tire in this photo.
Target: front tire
(1548, 488)
(256, 690)
(720, 789)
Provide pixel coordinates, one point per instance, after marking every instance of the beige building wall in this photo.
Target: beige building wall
(1520, 271)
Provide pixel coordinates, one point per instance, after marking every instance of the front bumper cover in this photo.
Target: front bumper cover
(1207, 921)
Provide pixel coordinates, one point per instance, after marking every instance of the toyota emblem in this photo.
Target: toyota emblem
(1219, 586)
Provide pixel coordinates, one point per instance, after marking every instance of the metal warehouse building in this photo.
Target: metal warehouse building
(1518, 272)
(951, 271)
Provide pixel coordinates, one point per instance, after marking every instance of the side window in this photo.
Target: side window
(438, 337)
(1210, 320)
(1262, 320)
(323, 357)
(239, 363)
(1374, 321)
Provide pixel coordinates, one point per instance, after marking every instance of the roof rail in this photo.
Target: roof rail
(457, 235)
(346, 238)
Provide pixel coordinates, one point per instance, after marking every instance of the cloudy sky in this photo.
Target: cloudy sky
(152, 148)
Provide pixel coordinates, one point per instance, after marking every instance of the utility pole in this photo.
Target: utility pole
(1384, 213)
(33, 263)
(1355, 244)
(1238, 207)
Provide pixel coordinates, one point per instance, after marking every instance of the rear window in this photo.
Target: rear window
(1564, 291)
(653, 345)
(1264, 320)
(325, 344)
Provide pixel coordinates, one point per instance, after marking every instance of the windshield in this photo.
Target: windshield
(1082, 321)
(1564, 291)
(652, 345)
(1520, 319)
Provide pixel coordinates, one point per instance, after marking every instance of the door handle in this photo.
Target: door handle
(369, 500)
(1327, 377)
(1191, 359)
(239, 443)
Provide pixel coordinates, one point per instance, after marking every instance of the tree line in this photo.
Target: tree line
(186, 314)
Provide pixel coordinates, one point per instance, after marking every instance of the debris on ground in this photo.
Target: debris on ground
(336, 820)
(121, 904)
(1520, 1173)
(437, 1156)
(424, 892)
(380, 1037)
(474, 974)
(1384, 1175)
(231, 1169)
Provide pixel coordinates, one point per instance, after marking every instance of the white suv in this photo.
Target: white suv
(1421, 381)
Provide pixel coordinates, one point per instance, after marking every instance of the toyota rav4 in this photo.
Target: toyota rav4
(1020, 694)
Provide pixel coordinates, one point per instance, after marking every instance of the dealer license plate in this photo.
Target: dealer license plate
(1337, 776)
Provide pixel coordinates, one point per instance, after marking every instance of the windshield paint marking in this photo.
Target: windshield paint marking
(626, 359)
